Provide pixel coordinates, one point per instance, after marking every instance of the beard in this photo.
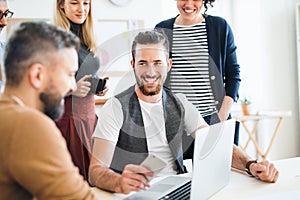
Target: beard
(148, 91)
(53, 106)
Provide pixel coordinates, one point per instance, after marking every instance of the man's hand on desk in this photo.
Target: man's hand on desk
(133, 179)
(264, 171)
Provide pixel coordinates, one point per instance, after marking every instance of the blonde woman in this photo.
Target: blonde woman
(79, 119)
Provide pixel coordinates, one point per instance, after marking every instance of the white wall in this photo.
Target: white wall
(265, 35)
(31, 8)
(150, 11)
(266, 40)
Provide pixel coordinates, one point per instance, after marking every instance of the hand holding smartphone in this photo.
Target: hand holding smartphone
(97, 84)
(153, 163)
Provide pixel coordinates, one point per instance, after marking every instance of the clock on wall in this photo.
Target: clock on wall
(120, 2)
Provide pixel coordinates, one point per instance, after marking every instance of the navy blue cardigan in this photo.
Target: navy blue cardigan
(223, 66)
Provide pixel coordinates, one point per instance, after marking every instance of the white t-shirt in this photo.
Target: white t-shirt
(111, 120)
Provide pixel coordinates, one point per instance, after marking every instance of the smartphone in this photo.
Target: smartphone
(154, 163)
(97, 84)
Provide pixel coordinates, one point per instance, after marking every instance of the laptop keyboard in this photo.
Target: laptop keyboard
(181, 193)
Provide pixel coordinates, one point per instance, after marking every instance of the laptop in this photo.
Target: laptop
(211, 168)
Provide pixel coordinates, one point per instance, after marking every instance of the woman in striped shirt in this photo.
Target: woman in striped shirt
(204, 66)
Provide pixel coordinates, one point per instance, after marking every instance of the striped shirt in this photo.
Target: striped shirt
(190, 69)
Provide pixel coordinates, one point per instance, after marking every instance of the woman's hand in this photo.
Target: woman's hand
(83, 87)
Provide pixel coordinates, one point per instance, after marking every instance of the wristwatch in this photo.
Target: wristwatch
(247, 169)
(120, 2)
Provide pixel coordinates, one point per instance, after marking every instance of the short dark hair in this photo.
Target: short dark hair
(150, 37)
(34, 42)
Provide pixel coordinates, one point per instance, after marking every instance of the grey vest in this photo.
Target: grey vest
(132, 146)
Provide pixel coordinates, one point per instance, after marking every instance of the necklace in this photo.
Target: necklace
(18, 100)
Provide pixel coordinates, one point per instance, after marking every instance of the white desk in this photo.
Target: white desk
(244, 187)
(287, 186)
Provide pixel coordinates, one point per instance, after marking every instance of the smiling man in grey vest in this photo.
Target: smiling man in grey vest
(149, 119)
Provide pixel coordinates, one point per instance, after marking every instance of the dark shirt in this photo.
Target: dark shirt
(87, 61)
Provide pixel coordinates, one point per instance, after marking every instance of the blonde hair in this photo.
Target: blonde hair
(87, 37)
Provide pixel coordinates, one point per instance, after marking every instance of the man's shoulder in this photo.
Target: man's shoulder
(170, 92)
(29, 120)
(36, 140)
(26, 128)
(182, 98)
(33, 115)
(20, 112)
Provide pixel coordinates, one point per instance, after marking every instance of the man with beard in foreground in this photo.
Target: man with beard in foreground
(40, 63)
(149, 119)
